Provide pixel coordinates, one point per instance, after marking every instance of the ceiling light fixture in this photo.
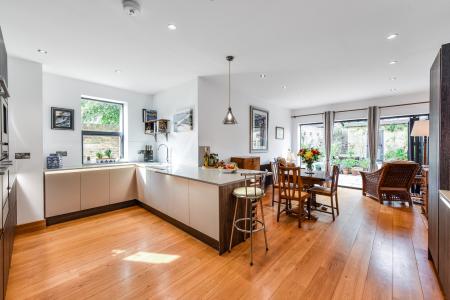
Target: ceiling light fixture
(172, 27)
(392, 36)
(393, 90)
(117, 71)
(42, 51)
(393, 78)
(393, 62)
(229, 117)
(284, 87)
(262, 75)
(131, 7)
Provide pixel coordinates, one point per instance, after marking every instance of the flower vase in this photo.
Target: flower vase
(309, 168)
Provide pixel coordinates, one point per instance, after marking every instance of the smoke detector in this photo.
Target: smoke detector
(131, 7)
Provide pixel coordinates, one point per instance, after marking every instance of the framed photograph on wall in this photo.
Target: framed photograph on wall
(149, 115)
(259, 130)
(279, 133)
(62, 118)
(183, 121)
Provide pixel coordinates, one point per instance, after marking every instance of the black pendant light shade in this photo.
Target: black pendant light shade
(229, 117)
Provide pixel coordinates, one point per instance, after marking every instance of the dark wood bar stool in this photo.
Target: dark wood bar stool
(291, 189)
(251, 193)
(329, 192)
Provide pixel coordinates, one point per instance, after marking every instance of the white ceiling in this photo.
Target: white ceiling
(323, 51)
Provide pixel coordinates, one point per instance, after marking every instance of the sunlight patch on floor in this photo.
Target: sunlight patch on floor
(151, 258)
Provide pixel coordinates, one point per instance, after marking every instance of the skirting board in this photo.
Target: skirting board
(30, 227)
(89, 212)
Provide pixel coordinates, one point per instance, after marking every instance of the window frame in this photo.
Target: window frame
(104, 133)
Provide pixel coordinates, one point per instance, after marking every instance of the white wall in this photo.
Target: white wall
(361, 114)
(233, 140)
(25, 124)
(183, 146)
(66, 92)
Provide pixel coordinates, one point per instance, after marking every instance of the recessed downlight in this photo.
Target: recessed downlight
(117, 71)
(42, 51)
(392, 36)
(172, 26)
(393, 90)
(393, 62)
(262, 75)
(393, 78)
(284, 87)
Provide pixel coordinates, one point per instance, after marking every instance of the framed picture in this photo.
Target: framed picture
(149, 115)
(279, 133)
(183, 121)
(259, 130)
(62, 118)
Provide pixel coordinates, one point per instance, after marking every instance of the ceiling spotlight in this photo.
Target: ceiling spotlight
(262, 75)
(393, 90)
(284, 87)
(117, 71)
(172, 27)
(392, 36)
(393, 78)
(131, 7)
(42, 51)
(393, 62)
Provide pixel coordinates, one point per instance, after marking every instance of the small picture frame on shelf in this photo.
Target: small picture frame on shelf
(62, 118)
(279, 133)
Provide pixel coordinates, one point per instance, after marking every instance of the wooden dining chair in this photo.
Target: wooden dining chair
(290, 188)
(274, 166)
(330, 192)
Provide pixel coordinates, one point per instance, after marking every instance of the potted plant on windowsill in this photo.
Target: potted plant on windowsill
(347, 165)
(99, 157)
(108, 154)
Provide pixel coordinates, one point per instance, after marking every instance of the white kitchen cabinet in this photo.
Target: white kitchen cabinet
(204, 208)
(122, 184)
(94, 188)
(177, 191)
(62, 193)
(141, 180)
(158, 191)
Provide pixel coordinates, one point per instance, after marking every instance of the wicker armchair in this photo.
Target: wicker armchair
(390, 183)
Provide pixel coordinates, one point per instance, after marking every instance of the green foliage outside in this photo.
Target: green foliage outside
(102, 116)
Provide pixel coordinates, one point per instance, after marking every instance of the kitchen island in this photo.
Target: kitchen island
(197, 200)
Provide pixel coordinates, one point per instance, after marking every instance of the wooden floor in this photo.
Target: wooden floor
(371, 251)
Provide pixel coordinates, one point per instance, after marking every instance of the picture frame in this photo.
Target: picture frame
(183, 121)
(62, 118)
(259, 130)
(279, 133)
(149, 115)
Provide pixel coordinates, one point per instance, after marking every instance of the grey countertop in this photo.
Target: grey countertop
(210, 176)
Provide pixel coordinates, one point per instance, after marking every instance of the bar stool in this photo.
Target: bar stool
(251, 193)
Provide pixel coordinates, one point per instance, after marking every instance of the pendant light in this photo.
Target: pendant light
(229, 117)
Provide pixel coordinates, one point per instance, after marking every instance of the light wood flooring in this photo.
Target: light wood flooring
(371, 251)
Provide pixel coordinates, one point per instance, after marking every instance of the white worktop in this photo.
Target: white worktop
(211, 176)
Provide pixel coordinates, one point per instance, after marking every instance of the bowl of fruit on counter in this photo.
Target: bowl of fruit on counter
(228, 168)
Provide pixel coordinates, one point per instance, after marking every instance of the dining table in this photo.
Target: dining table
(309, 180)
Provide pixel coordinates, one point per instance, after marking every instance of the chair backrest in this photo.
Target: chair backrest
(255, 179)
(335, 178)
(289, 181)
(274, 166)
(398, 174)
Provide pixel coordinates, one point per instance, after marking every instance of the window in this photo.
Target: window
(312, 135)
(349, 148)
(102, 129)
(393, 140)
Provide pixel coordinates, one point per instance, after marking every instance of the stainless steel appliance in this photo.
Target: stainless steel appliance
(4, 94)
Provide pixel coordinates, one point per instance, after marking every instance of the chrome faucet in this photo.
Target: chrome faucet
(167, 151)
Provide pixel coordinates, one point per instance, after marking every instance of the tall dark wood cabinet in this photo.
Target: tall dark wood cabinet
(439, 175)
